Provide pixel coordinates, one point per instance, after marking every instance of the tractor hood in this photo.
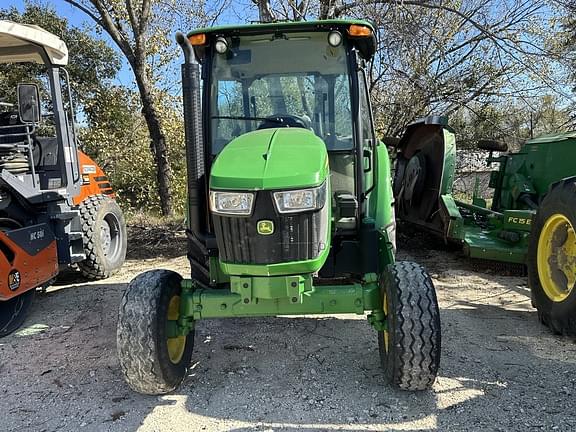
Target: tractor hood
(271, 159)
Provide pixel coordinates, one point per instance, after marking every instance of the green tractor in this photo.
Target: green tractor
(531, 218)
(290, 206)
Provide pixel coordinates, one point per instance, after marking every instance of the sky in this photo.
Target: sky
(241, 13)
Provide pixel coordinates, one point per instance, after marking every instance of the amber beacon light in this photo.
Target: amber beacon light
(197, 39)
(359, 31)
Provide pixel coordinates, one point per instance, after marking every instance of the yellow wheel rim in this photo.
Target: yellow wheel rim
(176, 344)
(386, 333)
(556, 257)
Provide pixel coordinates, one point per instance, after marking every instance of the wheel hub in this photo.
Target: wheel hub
(413, 170)
(556, 257)
(176, 345)
(105, 237)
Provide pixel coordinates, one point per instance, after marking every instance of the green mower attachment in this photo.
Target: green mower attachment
(531, 219)
(290, 206)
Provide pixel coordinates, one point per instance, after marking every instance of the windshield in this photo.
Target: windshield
(294, 79)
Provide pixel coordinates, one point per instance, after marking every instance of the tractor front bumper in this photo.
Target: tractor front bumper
(271, 296)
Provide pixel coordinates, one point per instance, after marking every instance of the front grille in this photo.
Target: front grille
(296, 237)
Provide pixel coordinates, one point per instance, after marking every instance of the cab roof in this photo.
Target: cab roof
(366, 45)
(281, 25)
(22, 43)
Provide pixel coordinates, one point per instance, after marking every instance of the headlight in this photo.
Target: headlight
(300, 200)
(235, 203)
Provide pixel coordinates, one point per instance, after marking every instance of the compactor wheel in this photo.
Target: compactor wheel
(104, 237)
(552, 259)
(13, 312)
(152, 362)
(410, 345)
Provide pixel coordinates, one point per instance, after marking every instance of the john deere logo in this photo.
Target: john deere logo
(265, 227)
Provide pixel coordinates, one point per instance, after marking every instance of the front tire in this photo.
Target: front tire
(13, 312)
(152, 362)
(552, 259)
(410, 347)
(104, 237)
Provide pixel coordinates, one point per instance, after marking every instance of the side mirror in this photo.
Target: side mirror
(492, 145)
(29, 103)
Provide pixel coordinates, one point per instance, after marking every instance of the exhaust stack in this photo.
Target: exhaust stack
(193, 133)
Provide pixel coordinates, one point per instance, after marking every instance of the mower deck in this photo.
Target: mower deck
(483, 244)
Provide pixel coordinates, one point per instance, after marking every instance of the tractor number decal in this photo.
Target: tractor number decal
(14, 280)
(519, 220)
(265, 227)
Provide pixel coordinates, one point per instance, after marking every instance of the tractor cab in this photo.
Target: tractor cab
(286, 108)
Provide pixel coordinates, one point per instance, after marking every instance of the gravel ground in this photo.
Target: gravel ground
(501, 370)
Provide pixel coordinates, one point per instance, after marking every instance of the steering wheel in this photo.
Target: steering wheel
(284, 120)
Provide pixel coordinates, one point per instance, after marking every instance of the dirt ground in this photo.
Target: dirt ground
(501, 370)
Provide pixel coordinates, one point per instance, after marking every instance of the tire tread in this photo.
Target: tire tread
(93, 267)
(415, 355)
(137, 334)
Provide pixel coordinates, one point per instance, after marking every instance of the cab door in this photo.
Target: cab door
(367, 136)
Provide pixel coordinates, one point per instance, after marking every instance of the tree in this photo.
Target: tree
(117, 138)
(92, 63)
(139, 29)
(444, 56)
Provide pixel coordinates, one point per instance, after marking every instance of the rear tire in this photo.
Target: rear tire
(151, 362)
(13, 312)
(552, 259)
(410, 348)
(104, 237)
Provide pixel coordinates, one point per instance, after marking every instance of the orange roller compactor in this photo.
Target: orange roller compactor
(57, 207)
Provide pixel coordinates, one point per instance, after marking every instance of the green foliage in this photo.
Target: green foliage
(118, 140)
(509, 121)
(92, 63)
(113, 130)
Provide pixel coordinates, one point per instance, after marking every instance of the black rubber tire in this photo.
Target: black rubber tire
(141, 334)
(413, 356)
(13, 312)
(560, 317)
(101, 262)
(421, 179)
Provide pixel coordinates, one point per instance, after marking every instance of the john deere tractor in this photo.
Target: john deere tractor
(290, 205)
(530, 221)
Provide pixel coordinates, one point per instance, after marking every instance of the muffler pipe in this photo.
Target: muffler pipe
(193, 135)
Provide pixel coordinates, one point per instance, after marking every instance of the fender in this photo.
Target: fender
(94, 180)
(570, 179)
